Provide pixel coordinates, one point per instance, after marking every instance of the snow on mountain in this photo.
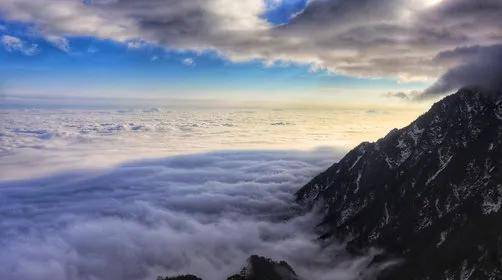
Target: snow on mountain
(429, 193)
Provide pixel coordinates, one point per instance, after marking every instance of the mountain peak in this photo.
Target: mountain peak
(424, 191)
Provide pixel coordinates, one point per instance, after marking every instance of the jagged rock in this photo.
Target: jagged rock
(257, 268)
(430, 192)
(261, 268)
(180, 277)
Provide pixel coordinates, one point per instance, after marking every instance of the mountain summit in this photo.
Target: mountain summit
(429, 193)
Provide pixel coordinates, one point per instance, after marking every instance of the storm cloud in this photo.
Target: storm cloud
(202, 214)
(368, 38)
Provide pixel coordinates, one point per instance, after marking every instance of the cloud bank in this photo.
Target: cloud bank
(481, 66)
(368, 38)
(202, 214)
(37, 142)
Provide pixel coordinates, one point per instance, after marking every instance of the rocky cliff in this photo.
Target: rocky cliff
(429, 193)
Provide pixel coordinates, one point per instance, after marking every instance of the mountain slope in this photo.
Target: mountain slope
(261, 268)
(257, 268)
(429, 193)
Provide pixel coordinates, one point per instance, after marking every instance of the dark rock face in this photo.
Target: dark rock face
(180, 277)
(430, 193)
(261, 268)
(257, 268)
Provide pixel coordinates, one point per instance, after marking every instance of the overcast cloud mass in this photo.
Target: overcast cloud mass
(368, 38)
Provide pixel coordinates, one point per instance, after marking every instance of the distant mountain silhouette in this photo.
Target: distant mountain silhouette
(257, 268)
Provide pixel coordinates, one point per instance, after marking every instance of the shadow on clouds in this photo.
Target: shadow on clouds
(202, 214)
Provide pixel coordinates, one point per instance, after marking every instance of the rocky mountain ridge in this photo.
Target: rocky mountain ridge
(257, 268)
(429, 193)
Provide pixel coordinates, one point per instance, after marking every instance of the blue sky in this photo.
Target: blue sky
(101, 67)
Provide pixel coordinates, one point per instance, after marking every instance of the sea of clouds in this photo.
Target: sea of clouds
(37, 142)
(201, 213)
(133, 194)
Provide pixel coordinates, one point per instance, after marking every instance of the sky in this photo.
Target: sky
(318, 50)
(261, 50)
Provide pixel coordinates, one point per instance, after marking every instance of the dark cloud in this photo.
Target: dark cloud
(399, 95)
(202, 214)
(473, 66)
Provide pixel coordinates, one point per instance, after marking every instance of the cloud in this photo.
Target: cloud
(14, 44)
(201, 213)
(188, 62)
(368, 38)
(41, 140)
(59, 42)
(399, 95)
(472, 66)
(412, 95)
(136, 44)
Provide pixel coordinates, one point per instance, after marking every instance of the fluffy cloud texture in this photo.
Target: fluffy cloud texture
(369, 38)
(14, 44)
(202, 214)
(37, 142)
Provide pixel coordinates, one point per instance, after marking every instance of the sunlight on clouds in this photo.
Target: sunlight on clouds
(41, 141)
(239, 15)
(430, 3)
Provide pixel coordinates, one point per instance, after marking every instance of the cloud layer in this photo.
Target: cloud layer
(202, 214)
(37, 142)
(370, 38)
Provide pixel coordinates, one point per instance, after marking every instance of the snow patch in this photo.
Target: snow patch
(415, 133)
(443, 166)
(442, 238)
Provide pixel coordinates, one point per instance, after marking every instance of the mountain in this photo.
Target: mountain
(257, 268)
(429, 194)
(262, 268)
(180, 277)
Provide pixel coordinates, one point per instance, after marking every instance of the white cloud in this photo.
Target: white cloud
(14, 44)
(188, 62)
(202, 214)
(59, 42)
(136, 44)
(370, 38)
